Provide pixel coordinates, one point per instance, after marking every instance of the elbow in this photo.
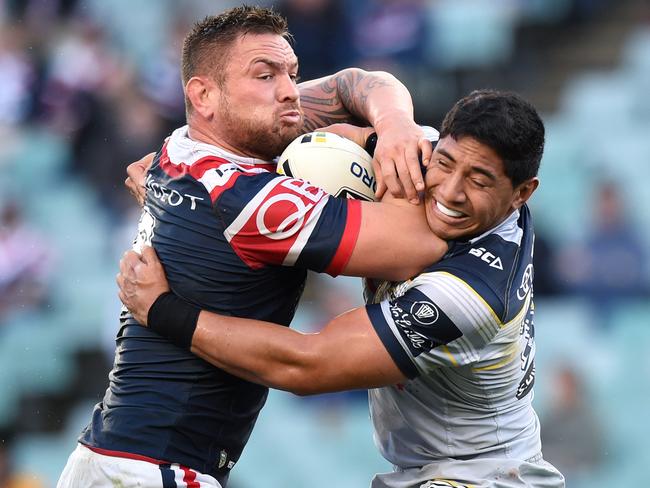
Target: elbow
(359, 71)
(304, 375)
(300, 381)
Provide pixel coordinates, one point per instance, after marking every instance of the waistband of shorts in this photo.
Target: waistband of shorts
(125, 455)
(221, 475)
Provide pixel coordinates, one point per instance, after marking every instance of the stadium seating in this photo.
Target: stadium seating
(600, 131)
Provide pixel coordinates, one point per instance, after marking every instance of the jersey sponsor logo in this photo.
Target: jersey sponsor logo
(425, 313)
(402, 319)
(169, 196)
(527, 331)
(220, 176)
(293, 206)
(486, 256)
(292, 223)
(526, 283)
(275, 226)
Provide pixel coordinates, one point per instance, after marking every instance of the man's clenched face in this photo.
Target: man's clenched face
(259, 105)
(467, 190)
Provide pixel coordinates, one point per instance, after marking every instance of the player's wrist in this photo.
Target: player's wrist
(393, 120)
(174, 318)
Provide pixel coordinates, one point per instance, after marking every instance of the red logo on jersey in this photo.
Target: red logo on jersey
(276, 224)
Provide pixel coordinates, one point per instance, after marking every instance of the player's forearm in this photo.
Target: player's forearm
(346, 354)
(376, 98)
(257, 351)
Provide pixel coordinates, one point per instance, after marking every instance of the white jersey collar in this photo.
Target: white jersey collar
(508, 229)
(181, 148)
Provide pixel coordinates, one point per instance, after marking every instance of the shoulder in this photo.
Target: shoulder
(494, 266)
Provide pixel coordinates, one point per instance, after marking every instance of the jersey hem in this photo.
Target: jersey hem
(124, 454)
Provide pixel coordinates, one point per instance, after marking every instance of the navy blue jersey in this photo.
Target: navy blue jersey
(235, 238)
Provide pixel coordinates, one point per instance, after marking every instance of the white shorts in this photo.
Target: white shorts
(88, 469)
(475, 473)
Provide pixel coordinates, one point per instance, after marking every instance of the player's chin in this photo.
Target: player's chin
(293, 127)
(448, 231)
(289, 132)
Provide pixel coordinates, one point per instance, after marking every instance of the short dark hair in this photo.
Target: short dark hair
(206, 47)
(505, 122)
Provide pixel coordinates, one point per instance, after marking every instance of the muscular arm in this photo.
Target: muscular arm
(394, 242)
(347, 354)
(380, 100)
(354, 95)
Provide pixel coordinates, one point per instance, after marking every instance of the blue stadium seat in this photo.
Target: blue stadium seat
(600, 100)
(636, 53)
(561, 201)
(470, 33)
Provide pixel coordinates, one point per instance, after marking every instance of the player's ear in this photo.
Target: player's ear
(524, 191)
(203, 94)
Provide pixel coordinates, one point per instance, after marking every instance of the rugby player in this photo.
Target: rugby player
(449, 354)
(238, 238)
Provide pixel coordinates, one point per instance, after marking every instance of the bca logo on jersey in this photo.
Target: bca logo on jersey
(488, 257)
(424, 313)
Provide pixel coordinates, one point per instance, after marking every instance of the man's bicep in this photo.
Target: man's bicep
(394, 242)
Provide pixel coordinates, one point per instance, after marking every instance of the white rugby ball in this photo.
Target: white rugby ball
(337, 165)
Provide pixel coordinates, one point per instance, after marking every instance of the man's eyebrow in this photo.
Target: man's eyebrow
(446, 154)
(484, 172)
(477, 169)
(274, 64)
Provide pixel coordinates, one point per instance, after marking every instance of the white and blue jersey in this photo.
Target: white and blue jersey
(462, 332)
(235, 238)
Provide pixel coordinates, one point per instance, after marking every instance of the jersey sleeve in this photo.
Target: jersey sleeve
(276, 220)
(442, 321)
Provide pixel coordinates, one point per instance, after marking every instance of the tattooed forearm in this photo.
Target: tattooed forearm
(342, 97)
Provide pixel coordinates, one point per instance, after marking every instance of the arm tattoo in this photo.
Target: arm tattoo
(322, 106)
(339, 98)
(354, 86)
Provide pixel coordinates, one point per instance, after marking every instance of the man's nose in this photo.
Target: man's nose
(452, 188)
(288, 90)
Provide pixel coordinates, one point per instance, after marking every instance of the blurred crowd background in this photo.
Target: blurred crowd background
(87, 86)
